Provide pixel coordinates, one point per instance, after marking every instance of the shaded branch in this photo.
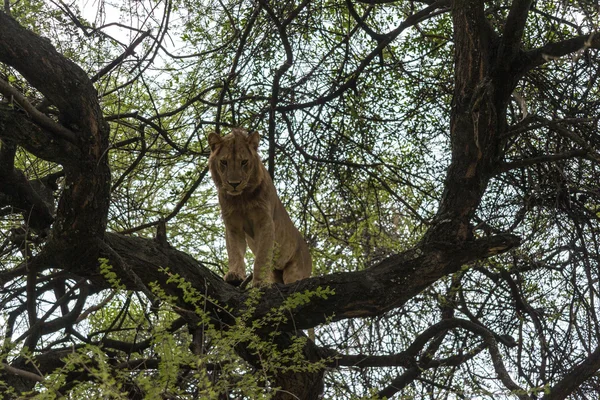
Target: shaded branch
(24, 50)
(579, 374)
(38, 117)
(508, 166)
(22, 131)
(371, 292)
(513, 30)
(82, 210)
(534, 58)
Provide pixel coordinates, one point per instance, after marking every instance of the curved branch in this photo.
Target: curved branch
(83, 208)
(24, 50)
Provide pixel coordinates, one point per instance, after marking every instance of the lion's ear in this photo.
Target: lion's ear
(253, 139)
(214, 140)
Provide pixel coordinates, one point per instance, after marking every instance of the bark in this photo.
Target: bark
(368, 293)
(579, 374)
(83, 207)
(18, 192)
(66, 86)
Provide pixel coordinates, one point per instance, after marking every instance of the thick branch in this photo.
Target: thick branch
(62, 82)
(513, 30)
(40, 118)
(17, 128)
(571, 381)
(83, 207)
(534, 58)
(384, 287)
(355, 294)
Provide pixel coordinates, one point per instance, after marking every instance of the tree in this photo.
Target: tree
(441, 158)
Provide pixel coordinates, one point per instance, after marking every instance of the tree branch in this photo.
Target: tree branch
(513, 31)
(83, 208)
(22, 373)
(128, 51)
(534, 58)
(38, 117)
(508, 166)
(571, 381)
(68, 81)
(371, 292)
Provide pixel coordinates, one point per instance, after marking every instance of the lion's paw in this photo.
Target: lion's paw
(261, 283)
(233, 278)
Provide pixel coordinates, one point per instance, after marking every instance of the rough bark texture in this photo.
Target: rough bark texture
(476, 121)
(372, 292)
(87, 175)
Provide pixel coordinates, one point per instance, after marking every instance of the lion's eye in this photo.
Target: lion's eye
(244, 162)
(223, 162)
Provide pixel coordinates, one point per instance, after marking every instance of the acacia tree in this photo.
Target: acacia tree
(441, 158)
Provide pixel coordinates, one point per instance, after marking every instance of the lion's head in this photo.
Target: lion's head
(234, 163)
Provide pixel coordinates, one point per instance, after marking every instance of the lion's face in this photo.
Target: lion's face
(234, 161)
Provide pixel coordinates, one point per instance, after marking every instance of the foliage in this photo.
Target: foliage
(160, 362)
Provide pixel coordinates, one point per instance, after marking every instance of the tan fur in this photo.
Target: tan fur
(253, 213)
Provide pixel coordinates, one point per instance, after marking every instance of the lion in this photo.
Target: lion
(253, 214)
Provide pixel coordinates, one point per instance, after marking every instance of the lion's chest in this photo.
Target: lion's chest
(252, 212)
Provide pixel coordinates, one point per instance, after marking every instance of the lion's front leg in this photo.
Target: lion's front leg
(264, 243)
(236, 251)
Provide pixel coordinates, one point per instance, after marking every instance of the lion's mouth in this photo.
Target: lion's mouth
(234, 192)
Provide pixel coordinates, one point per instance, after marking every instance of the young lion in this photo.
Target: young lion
(253, 213)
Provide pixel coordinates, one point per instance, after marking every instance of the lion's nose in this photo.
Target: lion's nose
(234, 184)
